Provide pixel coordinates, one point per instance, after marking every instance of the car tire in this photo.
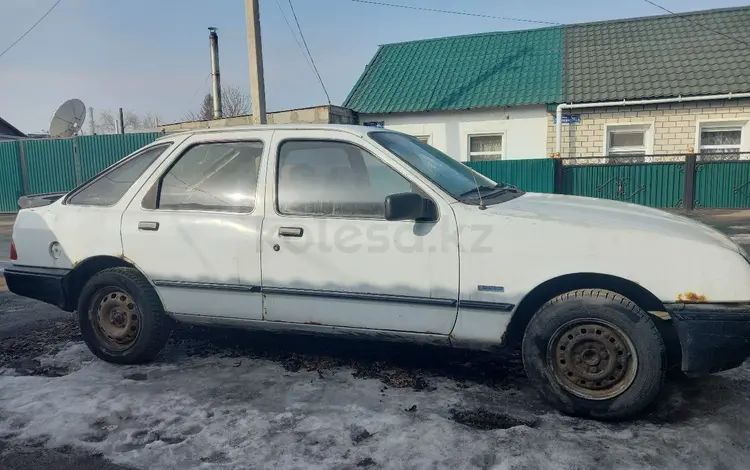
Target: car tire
(596, 354)
(121, 317)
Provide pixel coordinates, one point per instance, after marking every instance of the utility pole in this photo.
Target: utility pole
(213, 39)
(120, 122)
(255, 49)
(92, 123)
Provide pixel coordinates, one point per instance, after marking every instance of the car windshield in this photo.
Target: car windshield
(452, 176)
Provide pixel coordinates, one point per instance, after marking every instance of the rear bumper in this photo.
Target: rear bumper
(713, 337)
(45, 284)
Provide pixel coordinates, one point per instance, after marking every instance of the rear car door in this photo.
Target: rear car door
(194, 228)
(329, 255)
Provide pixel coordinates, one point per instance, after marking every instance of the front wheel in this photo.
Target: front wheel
(121, 317)
(595, 353)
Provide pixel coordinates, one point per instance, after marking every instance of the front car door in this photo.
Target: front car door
(194, 228)
(329, 255)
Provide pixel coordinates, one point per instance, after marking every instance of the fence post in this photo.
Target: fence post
(689, 197)
(77, 162)
(24, 170)
(558, 176)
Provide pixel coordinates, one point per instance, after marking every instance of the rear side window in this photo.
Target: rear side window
(216, 176)
(109, 187)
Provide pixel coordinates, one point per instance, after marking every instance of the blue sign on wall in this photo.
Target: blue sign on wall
(380, 124)
(569, 119)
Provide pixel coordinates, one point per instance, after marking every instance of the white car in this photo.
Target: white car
(368, 232)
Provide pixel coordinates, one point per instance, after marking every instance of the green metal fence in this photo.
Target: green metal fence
(537, 175)
(52, 165)
(33, 166)
(100, 151)
(11, 183)
(650, 184)
(722, 184)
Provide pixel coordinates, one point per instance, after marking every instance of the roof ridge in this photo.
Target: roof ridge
(568, 25)
(487, 33)
(659, 17)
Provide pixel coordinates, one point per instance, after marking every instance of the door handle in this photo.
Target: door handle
(148, 226)
(291, 232)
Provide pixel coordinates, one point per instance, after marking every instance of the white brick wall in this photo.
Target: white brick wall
(674, 126)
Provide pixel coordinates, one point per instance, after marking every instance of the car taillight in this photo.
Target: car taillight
(13, 252)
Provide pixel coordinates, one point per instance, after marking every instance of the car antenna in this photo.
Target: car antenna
(479, 193)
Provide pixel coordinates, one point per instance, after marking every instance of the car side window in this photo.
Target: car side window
(215, 176)
(330, 178)
(110, 186)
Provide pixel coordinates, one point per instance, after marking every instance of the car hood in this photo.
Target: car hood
(603, 213)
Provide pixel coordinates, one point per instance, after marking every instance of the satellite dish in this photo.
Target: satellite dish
(68, 119)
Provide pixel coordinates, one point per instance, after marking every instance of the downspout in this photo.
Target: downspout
(601, 104)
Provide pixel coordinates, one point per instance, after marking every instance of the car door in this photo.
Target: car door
(329, 255)
(194, 229)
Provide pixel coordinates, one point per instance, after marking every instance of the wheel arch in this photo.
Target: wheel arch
(83, 271)
(551, 288)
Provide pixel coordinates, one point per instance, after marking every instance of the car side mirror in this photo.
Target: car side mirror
(410, 206)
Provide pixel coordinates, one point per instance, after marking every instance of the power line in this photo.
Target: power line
(294, 35)
(30, 29)
(315, 68)
(201, 86)
(740, 41)
(452, 12)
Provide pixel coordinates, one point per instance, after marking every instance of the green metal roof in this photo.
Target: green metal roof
(658, 56)
(477, 71)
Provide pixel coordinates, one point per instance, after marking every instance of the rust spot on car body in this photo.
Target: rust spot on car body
(691, 298)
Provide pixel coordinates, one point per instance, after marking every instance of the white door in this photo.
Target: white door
(194, 228)
(329, 255)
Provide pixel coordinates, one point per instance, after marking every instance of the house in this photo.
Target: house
(632, 88)
(476, 97)
(9, 132)
(681, 83)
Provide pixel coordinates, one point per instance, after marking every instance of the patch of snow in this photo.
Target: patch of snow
(221, 413)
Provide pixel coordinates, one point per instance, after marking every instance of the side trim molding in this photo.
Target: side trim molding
(407, 299)
(478, 304)
(207, 286)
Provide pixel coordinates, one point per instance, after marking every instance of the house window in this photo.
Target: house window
(485, 147)
(721, 140)
(628, 143)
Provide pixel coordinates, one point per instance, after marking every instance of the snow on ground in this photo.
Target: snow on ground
(239, 412)
(742, 239)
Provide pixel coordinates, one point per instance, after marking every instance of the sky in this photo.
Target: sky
(152, 56)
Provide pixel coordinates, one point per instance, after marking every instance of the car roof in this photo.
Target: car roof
(356, 130)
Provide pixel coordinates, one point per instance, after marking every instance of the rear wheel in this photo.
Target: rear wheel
(595, 353)
(121, 317)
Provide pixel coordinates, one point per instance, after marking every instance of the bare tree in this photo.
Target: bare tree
(150, 120)
(234, 102)
(131, 120)
(106, 123)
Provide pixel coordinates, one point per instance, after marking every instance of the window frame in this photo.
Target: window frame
(743, 125)
(630, 127)
(470, 154)
(150, 200)
(277, 160)
(86, 184)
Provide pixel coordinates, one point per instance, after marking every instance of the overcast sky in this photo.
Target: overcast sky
(152, 55)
